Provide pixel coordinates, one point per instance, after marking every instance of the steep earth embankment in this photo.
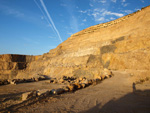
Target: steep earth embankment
(122, 44)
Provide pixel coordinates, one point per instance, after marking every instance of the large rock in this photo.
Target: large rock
(57, 91)
(29, 95)
(43, 92)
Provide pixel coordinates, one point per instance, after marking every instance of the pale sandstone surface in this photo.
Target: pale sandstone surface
(117, 45)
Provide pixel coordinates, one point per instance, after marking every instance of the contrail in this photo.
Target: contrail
(42, 11)
(50, 19)
(44, 15)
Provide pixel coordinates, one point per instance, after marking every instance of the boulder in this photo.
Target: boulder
(61, 80)
(36, 79)
(77, 80)
(106, 73)
(28, 80)
(13, 82)
(43, 92)
(85, 81)
(77, 86)
(51, 81)
(28, 95)
(5, 82)
(80, 78)
(90, 82)
(57, 91)
(55, 81)
(65, 78)
(71, 87)
(83, 85)
(66, 89)
(42, 77)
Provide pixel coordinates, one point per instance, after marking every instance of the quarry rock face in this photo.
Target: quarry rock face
(10, 65)
(122, 44)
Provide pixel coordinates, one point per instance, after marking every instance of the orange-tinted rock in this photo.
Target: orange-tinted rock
(122, 44)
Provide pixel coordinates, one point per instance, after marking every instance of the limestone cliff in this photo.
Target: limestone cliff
(122, 44)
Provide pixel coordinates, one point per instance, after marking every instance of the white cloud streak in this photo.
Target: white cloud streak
(84, 20)
(114, 1)
(10, 11)
(49, 17)
(99, 1)
(113, 13)
(100, 19)
(102, 1)
(42, 13)
(125, 4)
(49, 24)
(100, 14)
(128, 11)
(49, 20)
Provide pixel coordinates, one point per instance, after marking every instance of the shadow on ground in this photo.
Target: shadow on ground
(136, 102)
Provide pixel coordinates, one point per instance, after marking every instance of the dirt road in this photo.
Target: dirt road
(114, 95)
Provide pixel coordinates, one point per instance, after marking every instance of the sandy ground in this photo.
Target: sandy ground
(114, 95)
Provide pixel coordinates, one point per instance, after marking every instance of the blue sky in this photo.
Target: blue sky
(33, 27)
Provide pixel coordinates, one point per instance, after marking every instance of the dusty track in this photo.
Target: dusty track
(113, 95)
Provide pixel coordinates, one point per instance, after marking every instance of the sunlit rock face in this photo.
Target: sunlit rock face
(122, 44)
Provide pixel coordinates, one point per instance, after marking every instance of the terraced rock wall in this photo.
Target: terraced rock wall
(10, 64)
(122, 44)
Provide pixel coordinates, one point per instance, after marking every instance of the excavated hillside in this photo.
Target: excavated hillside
(122, 44)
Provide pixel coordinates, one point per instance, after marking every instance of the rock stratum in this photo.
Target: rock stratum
(122, 44)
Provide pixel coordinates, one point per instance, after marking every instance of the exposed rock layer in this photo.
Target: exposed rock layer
(122, 44)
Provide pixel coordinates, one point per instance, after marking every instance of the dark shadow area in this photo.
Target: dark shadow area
(10, 95)
(46, 77)
(29, 102)
(18, 58)
(136, 102)
(7, 97)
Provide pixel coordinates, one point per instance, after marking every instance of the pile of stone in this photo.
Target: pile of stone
(64, 79)
(41, 93)
(17, 81)
(4, 82)
(73, 84)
